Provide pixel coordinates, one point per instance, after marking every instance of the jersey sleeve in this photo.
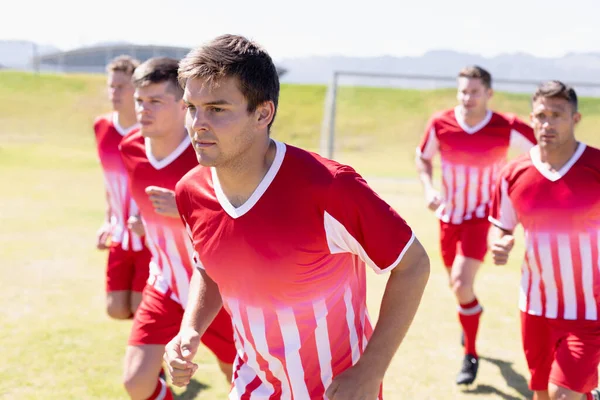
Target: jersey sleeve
(358, 221)
(429, 143)
(181, 198)
(502, 211)
(522, 137)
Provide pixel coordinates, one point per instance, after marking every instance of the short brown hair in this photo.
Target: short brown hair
(556, 90)
(158, 70)
(123, 63)
(234, 56)
(476, 72)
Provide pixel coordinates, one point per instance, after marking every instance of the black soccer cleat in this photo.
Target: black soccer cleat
(596, 394)
(468, 371)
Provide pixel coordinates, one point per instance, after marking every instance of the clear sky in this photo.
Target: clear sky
(316, 27)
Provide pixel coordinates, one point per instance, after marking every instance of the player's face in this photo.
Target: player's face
(473, 95)
(120, 90)
(218, 122)
(158, 111)
(553, 121)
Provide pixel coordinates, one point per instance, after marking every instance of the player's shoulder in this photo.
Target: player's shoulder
(317, 168)
(103, 121)
(194, 178)
(517, 166)
(133, 139)
(591, 157)
(504, 118)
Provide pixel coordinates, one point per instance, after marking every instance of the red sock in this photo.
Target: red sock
(161, 392)
(469, 314)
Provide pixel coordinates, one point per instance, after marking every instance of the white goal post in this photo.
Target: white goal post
(328, 127)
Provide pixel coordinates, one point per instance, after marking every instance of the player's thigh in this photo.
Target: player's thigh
(464, 270)
(449, 236)
(118, 304)
(473, 242)
(141, 269)
(135, 301)
(538, 346)
(120, 269)
(157, 319)
(577, 356)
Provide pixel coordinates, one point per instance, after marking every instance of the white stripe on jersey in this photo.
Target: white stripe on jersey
(544, 250)
(565, 261)
(323, 344)
(351, 324)
(291, 341)
(181, 279)
(535, 293)
(587, 275)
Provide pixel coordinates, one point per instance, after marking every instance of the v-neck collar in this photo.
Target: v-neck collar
(236, 212)
(471, 129)
(543, 169)
(168, 159)
(122, 131)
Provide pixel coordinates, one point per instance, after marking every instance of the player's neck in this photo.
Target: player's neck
(473, 118)
(238, 181)
(557, 157)
(163, 146)
(126, 119)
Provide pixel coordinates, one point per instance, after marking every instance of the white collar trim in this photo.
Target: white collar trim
(258, 192)
(471, 129)
(122, 131)
(168, 159)
(543, 169)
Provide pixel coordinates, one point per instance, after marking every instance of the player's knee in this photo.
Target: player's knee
(138, 386)
(227, 370)
(118, 310)
(560, 393)
(462, 289)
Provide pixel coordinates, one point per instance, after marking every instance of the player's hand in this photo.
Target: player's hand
(179, 354)
(163, 201)
(135, 225)
(433, 199)
(501, 249)
(103, 236)
(355, 383)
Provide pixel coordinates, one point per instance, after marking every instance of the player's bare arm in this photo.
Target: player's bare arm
(204, 303)
(425, 170)
(103, 233)
(501, 244)
(399, 304)
(163, 201)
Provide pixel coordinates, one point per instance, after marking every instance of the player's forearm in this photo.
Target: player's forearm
(425, 170)
(399, 305)
(497, 233)
(204, 302)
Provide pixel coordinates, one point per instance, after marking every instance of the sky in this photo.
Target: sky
(288, 29)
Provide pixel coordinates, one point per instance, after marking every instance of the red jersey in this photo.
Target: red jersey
(290, 267)
(167, 238)
(560, 213)
(471, 158)
(108, 136)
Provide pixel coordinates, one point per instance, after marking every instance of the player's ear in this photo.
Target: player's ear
(576, 117)
(490, 93)
(265, 113)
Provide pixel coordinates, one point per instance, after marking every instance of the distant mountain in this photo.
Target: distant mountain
(18, 53)
(573, 67)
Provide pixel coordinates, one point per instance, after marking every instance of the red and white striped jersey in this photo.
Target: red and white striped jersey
(167, 238)
(290, 267)
(560, 213)
(108, 136)
(471, 158)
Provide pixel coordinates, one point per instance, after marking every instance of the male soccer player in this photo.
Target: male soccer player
(156, 158)
(554, 192)
(128, 258)
(282, 239)
(473, 143)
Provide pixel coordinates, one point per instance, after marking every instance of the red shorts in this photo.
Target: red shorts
(127, 269)
(158, 319)
(566, 353)
(468, 239)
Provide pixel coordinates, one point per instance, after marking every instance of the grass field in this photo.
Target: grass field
(55, 339)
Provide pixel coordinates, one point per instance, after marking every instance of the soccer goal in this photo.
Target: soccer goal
(375, 121)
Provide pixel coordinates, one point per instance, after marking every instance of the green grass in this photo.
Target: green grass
(55, 339)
